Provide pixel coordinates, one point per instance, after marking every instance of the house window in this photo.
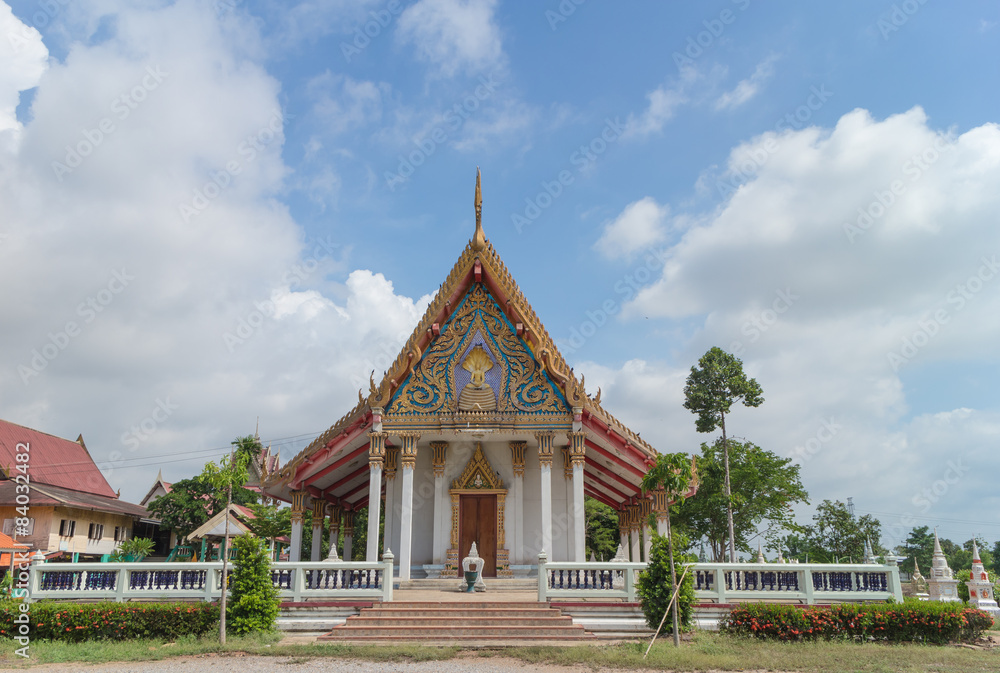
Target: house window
(96, 531)
(9, 528)
(121, 534)
(67, 528)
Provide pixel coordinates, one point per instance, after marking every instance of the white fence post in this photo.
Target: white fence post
(543, 577)
(387, 563)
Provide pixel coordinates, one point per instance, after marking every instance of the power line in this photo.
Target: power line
(945, 520)
(191, 453)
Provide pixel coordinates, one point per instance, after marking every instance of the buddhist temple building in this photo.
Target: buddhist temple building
(478, 432)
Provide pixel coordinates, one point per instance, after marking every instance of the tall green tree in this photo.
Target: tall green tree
(836, 535)
(270, 522)
(230, 474)
(602, 529)
(672, 474)
(712, 388)
(765, 486)
(918, 546)
(192, 502)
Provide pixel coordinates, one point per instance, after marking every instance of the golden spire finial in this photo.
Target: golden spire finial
(479, 238)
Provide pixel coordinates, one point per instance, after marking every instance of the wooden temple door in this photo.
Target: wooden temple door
(478, 523)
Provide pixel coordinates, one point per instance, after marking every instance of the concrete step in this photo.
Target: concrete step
(608, 620)
(492, 631)
(508, 623)
(498, 585)
(462, 620)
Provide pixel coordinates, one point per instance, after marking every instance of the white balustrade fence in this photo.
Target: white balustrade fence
(169, 581)
(804, 583)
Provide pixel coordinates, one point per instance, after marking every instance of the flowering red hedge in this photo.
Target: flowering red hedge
(77, 622)
(929, 622)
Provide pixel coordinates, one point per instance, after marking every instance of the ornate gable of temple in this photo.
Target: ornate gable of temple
(480, 359)
(477, 368)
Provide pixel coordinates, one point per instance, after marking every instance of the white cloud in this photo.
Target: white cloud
(783, 274)
(642, 224)
(453, 35)
(229, 314)
(747, 88)
(23, 60)
(663, 102)
(342, 103)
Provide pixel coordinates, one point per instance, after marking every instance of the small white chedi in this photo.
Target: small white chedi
(980, 587)
(941, 584)
(473, 563)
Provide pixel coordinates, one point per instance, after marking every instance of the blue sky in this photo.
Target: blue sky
(274, 196)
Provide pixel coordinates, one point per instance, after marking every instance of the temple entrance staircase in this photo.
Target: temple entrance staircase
(483, 622)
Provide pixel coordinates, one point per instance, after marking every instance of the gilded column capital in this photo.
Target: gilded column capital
(376, 448)
(567, 465)
(319, 510)
(348, 522)
(517, 449)
(440, 454)
(578, 447)
(391, 461)
(298, 505)
(661, 502)
(335, 512)
(545, 448)
(408, 451)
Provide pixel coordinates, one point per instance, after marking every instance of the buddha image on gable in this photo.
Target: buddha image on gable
(477, 394)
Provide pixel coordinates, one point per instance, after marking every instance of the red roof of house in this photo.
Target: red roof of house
(52, 460)
(7, 543)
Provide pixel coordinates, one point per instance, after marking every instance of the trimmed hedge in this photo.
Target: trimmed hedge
(928, 622)
(78, 622)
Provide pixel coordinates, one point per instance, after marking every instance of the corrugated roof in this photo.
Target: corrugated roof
(53, 460)
(46, 494)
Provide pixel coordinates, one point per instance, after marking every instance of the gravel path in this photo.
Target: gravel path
(249, 664)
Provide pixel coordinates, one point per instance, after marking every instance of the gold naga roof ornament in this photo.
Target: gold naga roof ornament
(479, 238)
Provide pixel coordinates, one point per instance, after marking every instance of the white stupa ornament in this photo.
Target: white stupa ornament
(941, 584)
(918, 583)
(869, 556)
(760, 554)
(980, 587)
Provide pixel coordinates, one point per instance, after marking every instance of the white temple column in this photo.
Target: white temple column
(334, 532)
(568, 524)
(391, 456)
(319, 513)
(298, 503)
(660, 504)
(623, 528)
(634, 546)
(348, 535)
(578, 456)
(376, 456)
(545, 471)
(442, 509)
(517, 449)
(408, 459)
(647, 542)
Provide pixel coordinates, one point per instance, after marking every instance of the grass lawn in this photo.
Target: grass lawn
(702, 652)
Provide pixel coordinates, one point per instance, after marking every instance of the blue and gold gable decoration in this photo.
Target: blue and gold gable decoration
(478, 368)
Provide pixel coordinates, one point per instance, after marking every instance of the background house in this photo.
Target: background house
(73, 512)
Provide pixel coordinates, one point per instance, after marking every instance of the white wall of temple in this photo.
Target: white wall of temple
(460, 451)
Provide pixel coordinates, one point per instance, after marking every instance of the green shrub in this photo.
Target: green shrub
(254, 604)
(78, 622)
(654, 585)
(928, 622)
